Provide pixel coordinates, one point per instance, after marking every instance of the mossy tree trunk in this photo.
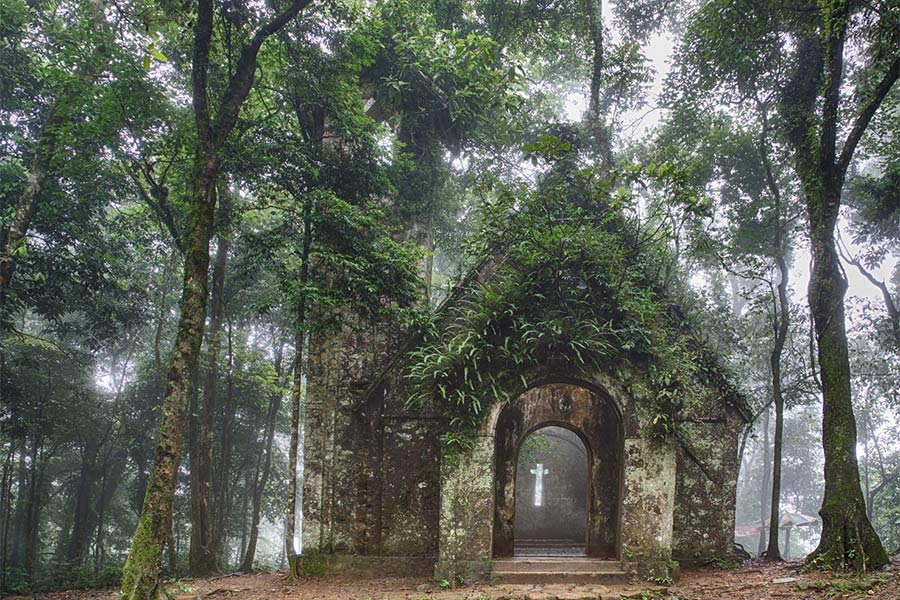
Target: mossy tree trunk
(764, 488)
(222, 511)
(143, 568)
(848, 539)
(598, 105)
(202, 560)
(141, 575)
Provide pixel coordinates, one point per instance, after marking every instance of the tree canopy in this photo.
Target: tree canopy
(194, 194)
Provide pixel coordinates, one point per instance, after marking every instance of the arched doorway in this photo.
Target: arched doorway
(552, 493)
(594, 420)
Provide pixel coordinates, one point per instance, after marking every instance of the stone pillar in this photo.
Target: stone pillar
(467, 512)
(339, 432)
(648, 506)
(328, 472)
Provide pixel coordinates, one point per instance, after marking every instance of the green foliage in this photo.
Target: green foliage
(537, 445)
(572, 285)
(312, 564)
(437, 78)
(727, 563)
(61, 576)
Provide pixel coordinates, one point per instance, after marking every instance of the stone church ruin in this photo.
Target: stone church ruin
(562, 470)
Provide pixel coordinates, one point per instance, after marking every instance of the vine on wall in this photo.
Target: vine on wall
(576, 284)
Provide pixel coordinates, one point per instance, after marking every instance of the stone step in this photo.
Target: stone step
(546, 543)
(557, 551)
(574, 565)
(560, 577)
(540, 571)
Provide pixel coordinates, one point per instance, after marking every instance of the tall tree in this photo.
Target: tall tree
(98, 37)
(848, 538)
(264, 460)
(807, 77)
(202, 559)
(140, 579)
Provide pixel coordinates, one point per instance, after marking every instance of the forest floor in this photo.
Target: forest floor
(753, 581)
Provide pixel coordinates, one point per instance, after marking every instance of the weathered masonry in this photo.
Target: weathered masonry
(380, 488)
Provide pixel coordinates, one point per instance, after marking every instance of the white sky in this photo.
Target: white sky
(637, 123)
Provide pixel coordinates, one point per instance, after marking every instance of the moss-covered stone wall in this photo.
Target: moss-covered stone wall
(380, 483)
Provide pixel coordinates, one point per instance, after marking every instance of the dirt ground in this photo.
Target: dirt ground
(751, 582)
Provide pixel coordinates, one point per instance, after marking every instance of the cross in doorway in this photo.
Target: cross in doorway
(539, 471)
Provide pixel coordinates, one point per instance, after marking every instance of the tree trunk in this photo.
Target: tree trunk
(113, 469)
(142, 570)
(848, 539)
(764, 488)
(173, 554)
(297, 395)
(33, 505)
(83, 523)
(596, 113)
(17, 555)
(262, 479)
(141, 575)
(772, 552)
(6, 508)
(223, 505)
(780, 324)
(13, 237)
(202, 557)
(866, 480)
(244, 502)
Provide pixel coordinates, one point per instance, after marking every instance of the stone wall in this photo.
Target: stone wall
(706, 489)
(648, 506)
(376, 483)
(371, 470)
(467, 484)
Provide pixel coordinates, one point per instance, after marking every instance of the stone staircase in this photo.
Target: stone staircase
(541, 570)
(549, 547)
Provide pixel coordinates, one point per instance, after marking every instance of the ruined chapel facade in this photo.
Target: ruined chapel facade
(380, 489)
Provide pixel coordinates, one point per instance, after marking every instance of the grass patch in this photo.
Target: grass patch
(840, 586)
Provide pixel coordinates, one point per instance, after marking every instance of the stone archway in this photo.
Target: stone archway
(552, 483)
(594, 419)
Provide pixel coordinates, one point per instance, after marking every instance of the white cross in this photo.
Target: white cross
(539, 471)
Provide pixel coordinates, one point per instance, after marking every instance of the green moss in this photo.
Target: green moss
(310, 564)
(140, 577)
(842, 586)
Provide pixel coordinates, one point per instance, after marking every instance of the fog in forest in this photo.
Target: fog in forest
(205, 206)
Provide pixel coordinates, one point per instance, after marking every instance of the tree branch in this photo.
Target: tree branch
(862, 120)
(834, 70)
(889, 304)
(242, 80)
(200, 71)
(162, 210)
